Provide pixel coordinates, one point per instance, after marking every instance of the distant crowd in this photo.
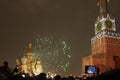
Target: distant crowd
(7, 74)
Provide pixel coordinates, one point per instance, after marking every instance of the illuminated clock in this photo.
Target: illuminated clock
(99, 27)
(109, 24)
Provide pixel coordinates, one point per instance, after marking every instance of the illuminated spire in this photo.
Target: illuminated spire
(103, 4)
(30, 48)
(105, 20)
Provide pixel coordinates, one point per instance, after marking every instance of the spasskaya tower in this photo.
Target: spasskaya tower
(105, 45)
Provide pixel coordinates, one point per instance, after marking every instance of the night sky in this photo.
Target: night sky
(71, 20)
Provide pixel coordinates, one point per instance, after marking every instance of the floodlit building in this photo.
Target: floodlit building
(105, 45)
(27, 64)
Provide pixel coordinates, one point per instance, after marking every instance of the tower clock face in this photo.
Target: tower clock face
(109, 24)
(99, 27)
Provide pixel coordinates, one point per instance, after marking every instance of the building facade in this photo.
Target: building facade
(105, 45)
(27, 64)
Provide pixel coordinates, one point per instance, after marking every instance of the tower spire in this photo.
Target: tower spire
(30, 48)
(103, 4)
(105, 21)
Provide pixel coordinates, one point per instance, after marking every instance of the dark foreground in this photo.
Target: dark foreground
(7, 74)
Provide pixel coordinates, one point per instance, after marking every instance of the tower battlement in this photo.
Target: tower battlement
(106, 33)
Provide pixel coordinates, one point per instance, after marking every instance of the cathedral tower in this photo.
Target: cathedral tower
(106, 42)
(30, 58)
(30, 54)
(27, 64)
(38, 66)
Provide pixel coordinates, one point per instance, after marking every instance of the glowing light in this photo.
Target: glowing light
(54, 54)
